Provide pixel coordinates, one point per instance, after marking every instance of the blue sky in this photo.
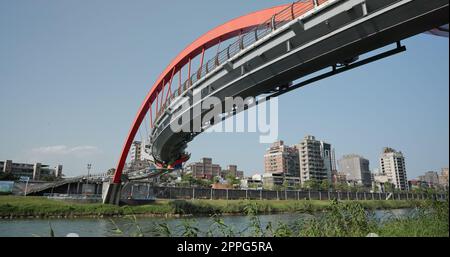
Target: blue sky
(74, 73)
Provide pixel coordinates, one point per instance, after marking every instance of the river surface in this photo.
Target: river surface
(103, 227)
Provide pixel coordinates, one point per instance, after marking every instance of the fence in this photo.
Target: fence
(237, 194)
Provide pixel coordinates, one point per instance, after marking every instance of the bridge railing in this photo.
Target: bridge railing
(243, 41)
(99, 175)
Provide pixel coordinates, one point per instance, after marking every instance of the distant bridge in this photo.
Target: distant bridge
(73, 185)
(270, 49)
(76, 185)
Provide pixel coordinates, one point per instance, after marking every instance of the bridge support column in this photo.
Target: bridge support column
(111, 193)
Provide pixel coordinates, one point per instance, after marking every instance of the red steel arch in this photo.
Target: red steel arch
(213, 37)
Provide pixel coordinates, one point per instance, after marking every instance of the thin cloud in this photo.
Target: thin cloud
(63, 150)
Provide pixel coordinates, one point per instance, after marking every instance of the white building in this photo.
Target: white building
(254, 182)
(139, 152)
(135, 151)
(392, 164)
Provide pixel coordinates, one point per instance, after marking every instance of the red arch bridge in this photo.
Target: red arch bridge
(262, 53)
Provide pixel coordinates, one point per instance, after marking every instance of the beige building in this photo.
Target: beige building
(392, 165)
(316, 160)
(443, 178)
(339, 177)
(136, 150)
(431, 178)
(280, 158)
(204, 169)
(379, 181)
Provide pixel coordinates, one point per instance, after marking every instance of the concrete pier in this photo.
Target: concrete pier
(111, 193)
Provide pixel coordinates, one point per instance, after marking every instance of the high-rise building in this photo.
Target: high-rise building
(333, 161)
(431, 178)
(146, 152)
(204, 169)
(392, 164)
(58, 171)
(280, 158)
(316, 160)
(135, 151)
(327, 155)
(356, 169)
(443, 178)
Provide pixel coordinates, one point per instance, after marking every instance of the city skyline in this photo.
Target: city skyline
(77, 112)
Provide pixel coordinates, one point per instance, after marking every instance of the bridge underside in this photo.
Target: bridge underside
(323, 40)
(333, 35)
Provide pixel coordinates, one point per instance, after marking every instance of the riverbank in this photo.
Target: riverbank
(13, 207)
(342, 219)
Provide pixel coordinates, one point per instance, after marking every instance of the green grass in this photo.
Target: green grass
(273, 206)
(43, 207)
(18, 206)
(431, 220)
(342, 219)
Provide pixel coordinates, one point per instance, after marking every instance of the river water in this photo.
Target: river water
(103, 227)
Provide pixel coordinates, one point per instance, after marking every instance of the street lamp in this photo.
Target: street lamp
(89, 166)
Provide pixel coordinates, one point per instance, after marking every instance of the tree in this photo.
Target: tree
(312, 184)
(49, 178)
(232, 180)
(7, 176)
(285, 185)
(375, 189)
(216, 179)
(325, 185)
(358, 188)
(189, 180)
(253, 186)
(277, 188)
(298, 187)
(389, 187)
(342, 187)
